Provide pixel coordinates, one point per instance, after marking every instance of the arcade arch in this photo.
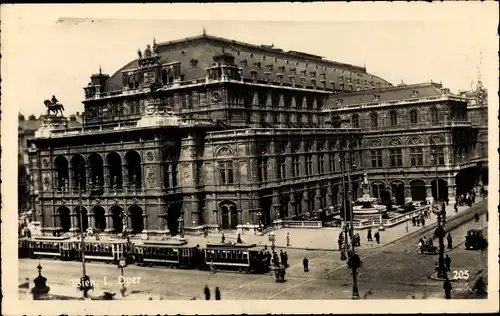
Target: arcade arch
(96, 169)
(136, 218)
(418, 192)
(64, 218)
(117, 218)
(114, 162)
(61, 166)
(99, 218)
(229, 215)
(78, 172)
(133, 161)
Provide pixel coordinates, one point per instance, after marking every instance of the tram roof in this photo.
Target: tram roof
(233, 246)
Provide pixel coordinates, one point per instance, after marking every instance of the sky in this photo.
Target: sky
(54, 49)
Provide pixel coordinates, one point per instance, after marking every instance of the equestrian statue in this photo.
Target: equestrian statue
(54, 106)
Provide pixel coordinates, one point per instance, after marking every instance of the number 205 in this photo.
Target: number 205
(461, 274)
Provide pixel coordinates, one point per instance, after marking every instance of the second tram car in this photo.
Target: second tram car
(240, 257)
(157, 253)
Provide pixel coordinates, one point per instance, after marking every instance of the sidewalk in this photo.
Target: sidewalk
(323, 238)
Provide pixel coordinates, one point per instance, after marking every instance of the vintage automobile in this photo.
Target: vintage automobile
(475, 239)
(429, 249)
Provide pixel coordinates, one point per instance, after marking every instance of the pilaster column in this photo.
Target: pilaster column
(90, 219)
(74, 221)
(125, 183)
(305, 202)
(292, 209)
(408, 192)
(109, 227)
(317, 203)
(105, 179)
(428, 191)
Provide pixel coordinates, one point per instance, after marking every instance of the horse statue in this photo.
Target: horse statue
(53, 105)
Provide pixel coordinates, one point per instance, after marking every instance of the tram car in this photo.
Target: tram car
(237, 257)
(158, 253)
(109, 251)
(47, 247)
(23, 247)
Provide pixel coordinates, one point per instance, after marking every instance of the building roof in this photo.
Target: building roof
(196, 54)
(33, 124)
(396, 93)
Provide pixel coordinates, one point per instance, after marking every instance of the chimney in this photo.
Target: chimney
(32, 117)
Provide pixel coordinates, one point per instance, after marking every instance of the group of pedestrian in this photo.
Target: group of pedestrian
(207, 293)
(420, 218)
(376, 235)
(468, 198)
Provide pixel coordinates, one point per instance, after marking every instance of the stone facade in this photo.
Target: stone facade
(217, 134)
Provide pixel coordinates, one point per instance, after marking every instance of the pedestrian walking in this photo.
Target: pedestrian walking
(217, 294)
(413, 221)
(447, 289)
(238, 239)
(273, 246)
(420, 245)
(456, 207)
(305, 263)
(423, 221)
(447, 263)
(340, 243)
(207, 293)
(406, 226)
(288, 239)
(377, 237)
(285, 257)
(369, 237)
(418, 221)
(282, 257)
(450, 241)
(205, 233)
(223, 238)
(476, 217)
(358, 240)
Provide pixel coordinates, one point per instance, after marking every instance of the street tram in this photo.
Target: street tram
(47, 247)
(241, 257)
(24, 249)
(158, 253)
(109, 251)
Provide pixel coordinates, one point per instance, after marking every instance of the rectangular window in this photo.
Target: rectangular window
(226, 172)
(332, 162)
(309, 165)
(263, 170)
(416, 156)
(296, 166)
(440, 156)
(321, 164)
(396, 157)
(281, 168)
(174, 175)
(376, 157)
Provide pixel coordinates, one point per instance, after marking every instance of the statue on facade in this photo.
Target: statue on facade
(365, 183)
(53, 105)
(156, 50)
(139, 53)
(147, 51)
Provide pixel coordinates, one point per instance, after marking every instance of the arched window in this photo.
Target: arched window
(96, 170)
(393, 118)
(374, 120)
(79, 174)
(62, 173)
(355, 121)
(414, 116)
(434, 115)
(115, 170)
(133, 161)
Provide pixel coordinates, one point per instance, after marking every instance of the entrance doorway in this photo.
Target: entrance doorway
(418, 190)
(266, 205)
(135, 213)
(99, 219)
(229, 215)
(64, 219)
(117, 217)
(398, 191)
(442, 190)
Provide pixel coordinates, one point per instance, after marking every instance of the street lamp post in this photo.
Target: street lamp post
(122, 264)
(354, 260)
(85, 284)
(440, 233)
(435, 156)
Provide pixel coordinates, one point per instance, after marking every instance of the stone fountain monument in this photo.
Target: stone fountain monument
(365, 208)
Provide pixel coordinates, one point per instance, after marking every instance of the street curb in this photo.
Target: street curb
(424, 230)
